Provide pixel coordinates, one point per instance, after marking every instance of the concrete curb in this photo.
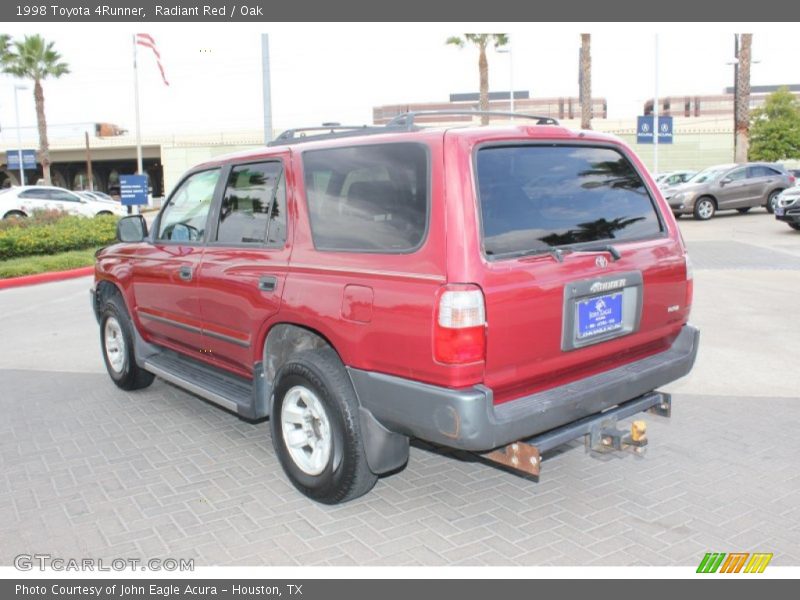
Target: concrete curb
(24, 280)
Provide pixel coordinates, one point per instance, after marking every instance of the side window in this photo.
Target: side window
(254, 206)
(62, 196)
(34, 194)
(737, 175)
(184, 218)
(370, 198)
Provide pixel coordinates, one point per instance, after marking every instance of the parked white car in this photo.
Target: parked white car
(21, 201)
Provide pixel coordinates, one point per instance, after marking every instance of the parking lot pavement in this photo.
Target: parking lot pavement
(90, 470)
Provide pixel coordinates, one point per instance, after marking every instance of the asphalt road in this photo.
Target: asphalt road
(88, 469)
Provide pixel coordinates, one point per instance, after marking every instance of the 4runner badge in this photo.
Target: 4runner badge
(601, 261)
(604, 286)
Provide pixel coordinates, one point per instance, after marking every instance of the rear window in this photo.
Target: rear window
(539, 197)
(370, 198)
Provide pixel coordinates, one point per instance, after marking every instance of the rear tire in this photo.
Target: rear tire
(772, 201)
(316, 430)
(704, 208)
(15, 214)
(742, 211)
(795, 226)
(116, 340)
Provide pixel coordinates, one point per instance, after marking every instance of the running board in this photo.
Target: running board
(225, 389)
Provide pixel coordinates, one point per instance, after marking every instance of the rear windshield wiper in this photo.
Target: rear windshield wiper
(557, 253)
(600, 248)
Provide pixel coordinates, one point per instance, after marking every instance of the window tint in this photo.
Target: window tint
(761, 171)
(184, 218)
(536, 197)
(254, 206)
(367, 198)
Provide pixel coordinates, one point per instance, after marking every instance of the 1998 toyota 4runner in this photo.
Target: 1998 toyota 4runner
(500, 290)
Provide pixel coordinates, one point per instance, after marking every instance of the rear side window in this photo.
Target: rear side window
(254, 206)
(538, 197)
(367, 198)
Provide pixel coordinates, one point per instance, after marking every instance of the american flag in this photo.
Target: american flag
(146, 40)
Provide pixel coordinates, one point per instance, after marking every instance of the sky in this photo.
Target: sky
(338, 72)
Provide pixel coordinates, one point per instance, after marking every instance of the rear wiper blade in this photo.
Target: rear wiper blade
(600, 248)
(557, 253)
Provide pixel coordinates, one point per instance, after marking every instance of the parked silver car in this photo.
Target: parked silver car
(729, 187)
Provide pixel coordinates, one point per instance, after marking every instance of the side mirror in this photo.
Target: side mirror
(725, 181)
(132, 229)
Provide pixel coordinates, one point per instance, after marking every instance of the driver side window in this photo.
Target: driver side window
(184, 218)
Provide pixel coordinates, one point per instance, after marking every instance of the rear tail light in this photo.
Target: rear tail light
(792, 179)
(689, 280)
(460, 326)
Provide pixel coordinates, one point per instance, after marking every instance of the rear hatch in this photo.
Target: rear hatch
(581, 271)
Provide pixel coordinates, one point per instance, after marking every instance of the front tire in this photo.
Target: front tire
(116, 340)
(316, 431)
(772, 201)
(704, 209)
(15, 214)
(795, 226)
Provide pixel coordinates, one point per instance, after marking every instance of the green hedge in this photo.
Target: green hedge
(59, 235)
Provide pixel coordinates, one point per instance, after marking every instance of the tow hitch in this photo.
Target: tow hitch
(600, 431)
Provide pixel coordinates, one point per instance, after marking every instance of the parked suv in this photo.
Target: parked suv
(728, 187)
(500, 290)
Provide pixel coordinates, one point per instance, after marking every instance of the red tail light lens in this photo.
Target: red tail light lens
(689, 281)
(460, 326)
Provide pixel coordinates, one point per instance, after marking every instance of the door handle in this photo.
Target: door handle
(185, 273)
(267, 283)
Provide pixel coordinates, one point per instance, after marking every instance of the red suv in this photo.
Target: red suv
(499, 290)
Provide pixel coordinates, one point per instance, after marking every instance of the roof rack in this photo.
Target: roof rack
(402, 122)
(407, 119)
(299, 135)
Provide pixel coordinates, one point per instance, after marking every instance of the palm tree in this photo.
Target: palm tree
(482, 41)
(585, 91)
(741, 142)
(34, 58)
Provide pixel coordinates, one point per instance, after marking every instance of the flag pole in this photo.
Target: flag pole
(139, 168)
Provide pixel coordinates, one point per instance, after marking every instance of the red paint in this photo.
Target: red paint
(24, 280)
(392, 329)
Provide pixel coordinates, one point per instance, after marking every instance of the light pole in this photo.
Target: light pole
(507, 50)
(19, 87)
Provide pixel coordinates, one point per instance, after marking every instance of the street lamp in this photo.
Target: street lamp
(17, 88)
(507, 50)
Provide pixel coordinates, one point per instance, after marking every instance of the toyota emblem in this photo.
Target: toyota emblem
(601, 262)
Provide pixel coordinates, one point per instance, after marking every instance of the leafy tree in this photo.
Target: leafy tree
(34, 58)
(775, 132)
(482, 41)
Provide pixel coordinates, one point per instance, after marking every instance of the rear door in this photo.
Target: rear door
(242, 275)
(165, 272)
(559, 307)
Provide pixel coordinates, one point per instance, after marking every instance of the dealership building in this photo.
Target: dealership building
(702, 136)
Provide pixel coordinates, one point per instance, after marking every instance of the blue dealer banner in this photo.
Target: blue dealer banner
(644, 130)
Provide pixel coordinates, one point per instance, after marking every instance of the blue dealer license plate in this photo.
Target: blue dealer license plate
(599, 315)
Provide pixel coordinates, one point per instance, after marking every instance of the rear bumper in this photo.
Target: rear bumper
(469, 420)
